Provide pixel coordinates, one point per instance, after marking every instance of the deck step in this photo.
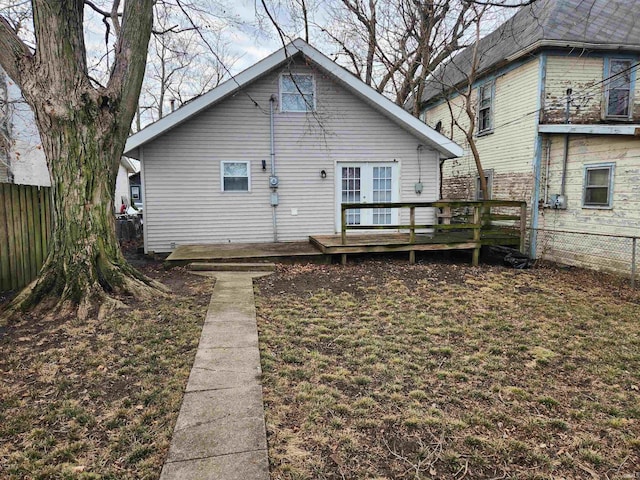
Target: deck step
(231, 267)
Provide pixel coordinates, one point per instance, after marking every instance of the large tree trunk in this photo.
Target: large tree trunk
(83, 131)
(85, 265)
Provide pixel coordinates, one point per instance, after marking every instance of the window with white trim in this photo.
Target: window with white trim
(297, 93)
(618, 90)
(598, 186)
(485, 108)
(235, 176)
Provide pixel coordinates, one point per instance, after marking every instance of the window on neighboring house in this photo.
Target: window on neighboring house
(598, 186)
(235, 177)
(618, 91)
(297, 93)
(135, 193)
(485, 108)
(488, 175)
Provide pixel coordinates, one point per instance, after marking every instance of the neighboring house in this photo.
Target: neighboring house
(135, 187)
(22, 160)
(122, 192)
(215, 171)
(557, 106)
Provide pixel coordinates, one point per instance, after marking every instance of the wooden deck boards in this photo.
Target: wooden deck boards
(319, 247)
(242, 251)
(400, 242)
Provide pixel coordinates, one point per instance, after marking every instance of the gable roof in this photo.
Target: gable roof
(612, 25)
(430, 137)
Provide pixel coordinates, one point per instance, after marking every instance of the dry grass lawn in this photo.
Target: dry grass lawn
(383, 370)
(99, 399)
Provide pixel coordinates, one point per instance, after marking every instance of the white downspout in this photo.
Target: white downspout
(273, 179)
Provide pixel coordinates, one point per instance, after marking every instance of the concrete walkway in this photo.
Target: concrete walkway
(220, 433)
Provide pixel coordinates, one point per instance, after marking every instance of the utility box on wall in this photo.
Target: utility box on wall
(558, 202)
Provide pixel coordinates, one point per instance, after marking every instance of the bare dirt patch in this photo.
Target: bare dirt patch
(99, 398)
(385, 370)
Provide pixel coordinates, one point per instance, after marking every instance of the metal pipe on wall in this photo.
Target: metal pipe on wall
(273, 169)
(565, 157)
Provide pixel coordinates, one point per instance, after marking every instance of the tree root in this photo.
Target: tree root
(95, 291)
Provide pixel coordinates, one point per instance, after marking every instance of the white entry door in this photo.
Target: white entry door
(367, 183)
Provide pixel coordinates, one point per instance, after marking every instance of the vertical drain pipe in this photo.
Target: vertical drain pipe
(273, 179)
(565, 157)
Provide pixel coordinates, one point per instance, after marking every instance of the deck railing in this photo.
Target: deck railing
(478, 216)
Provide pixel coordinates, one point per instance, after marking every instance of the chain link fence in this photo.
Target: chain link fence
(610, 253)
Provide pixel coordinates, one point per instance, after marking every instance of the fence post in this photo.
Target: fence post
(523, 226)
(633, 262)
(477, 220)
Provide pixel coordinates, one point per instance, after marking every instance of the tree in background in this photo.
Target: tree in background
(185, 60)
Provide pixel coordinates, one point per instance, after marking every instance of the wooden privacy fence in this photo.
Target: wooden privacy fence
(25, 227)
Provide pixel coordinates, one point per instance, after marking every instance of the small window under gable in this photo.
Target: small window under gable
(598, 186)
(297, 93)
(485, 108)
(235, 176)
(619, 80)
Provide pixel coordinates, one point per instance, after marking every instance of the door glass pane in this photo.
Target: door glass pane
(381, 193)
(351, 192)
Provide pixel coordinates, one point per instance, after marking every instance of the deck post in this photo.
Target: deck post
(523, 225)
(412, 257)
(477, 220)
(343, 259)
(412, 223)
(343, 229)
(634, 244)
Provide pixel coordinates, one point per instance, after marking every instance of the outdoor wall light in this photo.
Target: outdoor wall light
(264, 165)
(323, 174)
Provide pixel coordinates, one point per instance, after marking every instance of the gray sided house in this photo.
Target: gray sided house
(270, 154)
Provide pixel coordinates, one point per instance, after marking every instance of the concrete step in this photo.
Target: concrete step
(231, 267)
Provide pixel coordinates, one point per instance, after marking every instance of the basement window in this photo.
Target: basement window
(297, 93)
(488, 175)
(235, 176)
(598, 186)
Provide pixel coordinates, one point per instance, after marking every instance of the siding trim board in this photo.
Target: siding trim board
(143, 184)
(537, 158)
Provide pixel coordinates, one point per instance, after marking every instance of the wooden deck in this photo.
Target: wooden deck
(461, 225)
(401, 242)
(242, 252)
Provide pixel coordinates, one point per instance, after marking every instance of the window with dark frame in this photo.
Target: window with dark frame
(618, 95)
(297, 93)
(597, 186)
(485, 106)
(235, 176)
